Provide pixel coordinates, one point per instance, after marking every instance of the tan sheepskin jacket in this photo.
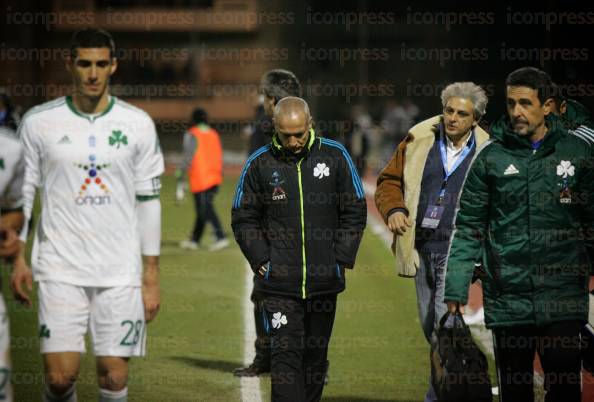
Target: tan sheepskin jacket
(399, 186)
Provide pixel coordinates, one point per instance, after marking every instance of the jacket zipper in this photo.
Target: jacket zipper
(304, 267)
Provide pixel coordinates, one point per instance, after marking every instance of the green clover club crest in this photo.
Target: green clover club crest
(117, 138)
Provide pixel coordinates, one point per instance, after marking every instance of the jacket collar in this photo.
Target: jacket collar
(278, 149)
(503, 132)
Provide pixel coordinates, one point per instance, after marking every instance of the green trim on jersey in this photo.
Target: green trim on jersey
(71, 106)
(156, 191)
(143, 198)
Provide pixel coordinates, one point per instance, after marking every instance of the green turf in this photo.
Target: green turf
(194, 342)
(377, 334)
(377, 351)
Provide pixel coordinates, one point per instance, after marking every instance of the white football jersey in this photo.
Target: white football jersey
(89, 170)
(12, 170)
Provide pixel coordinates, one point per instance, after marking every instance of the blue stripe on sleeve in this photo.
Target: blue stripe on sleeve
(354, 175)
(239, 190)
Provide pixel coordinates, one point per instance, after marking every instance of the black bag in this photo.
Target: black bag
(458, 366)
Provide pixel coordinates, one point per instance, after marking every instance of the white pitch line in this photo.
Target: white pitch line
(250, 386)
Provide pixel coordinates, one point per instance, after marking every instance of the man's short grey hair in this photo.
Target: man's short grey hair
(467, 90)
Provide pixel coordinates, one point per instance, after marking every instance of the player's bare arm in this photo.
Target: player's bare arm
(149, 227)
(21, 279)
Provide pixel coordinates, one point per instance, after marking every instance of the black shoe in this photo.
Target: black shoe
(253, 370)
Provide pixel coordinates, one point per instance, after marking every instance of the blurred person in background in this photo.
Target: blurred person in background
(575, 117)
(12, 171)
(398, 117)
(203, 163)
(527, 210)
(395, 125)
(357, 139)
(9, 116)
(260, 131)
(274, 85)
(417, 194)
(411, 110)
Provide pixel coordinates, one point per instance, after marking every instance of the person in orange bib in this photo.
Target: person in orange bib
(203, 162)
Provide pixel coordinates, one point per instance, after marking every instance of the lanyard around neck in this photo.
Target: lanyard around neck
(444, 160)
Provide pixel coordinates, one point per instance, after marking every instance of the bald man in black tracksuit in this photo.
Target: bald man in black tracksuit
(298, 216)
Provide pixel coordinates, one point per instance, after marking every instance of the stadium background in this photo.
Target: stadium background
(176, 55)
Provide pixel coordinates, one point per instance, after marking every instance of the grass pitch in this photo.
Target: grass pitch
(377, 352)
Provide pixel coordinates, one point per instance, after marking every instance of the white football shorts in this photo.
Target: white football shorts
(114, 316)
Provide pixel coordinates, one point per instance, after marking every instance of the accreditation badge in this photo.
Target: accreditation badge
(432, 217)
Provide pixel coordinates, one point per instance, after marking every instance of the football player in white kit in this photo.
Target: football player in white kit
(12, 170)
(96, 161)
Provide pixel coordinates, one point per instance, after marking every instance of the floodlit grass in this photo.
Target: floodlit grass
(196, 339)
(377, 351)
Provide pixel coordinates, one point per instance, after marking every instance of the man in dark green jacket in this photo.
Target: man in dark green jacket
(527, 211)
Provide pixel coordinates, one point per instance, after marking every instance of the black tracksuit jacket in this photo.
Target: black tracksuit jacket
(303, 214)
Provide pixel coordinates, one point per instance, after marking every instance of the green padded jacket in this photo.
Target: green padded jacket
(529, 216)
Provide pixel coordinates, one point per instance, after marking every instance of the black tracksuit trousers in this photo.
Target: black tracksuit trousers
(558, 346)
(300, 333)
(262, 343)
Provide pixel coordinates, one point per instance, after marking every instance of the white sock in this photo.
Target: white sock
(68, 396)
(106, 395)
